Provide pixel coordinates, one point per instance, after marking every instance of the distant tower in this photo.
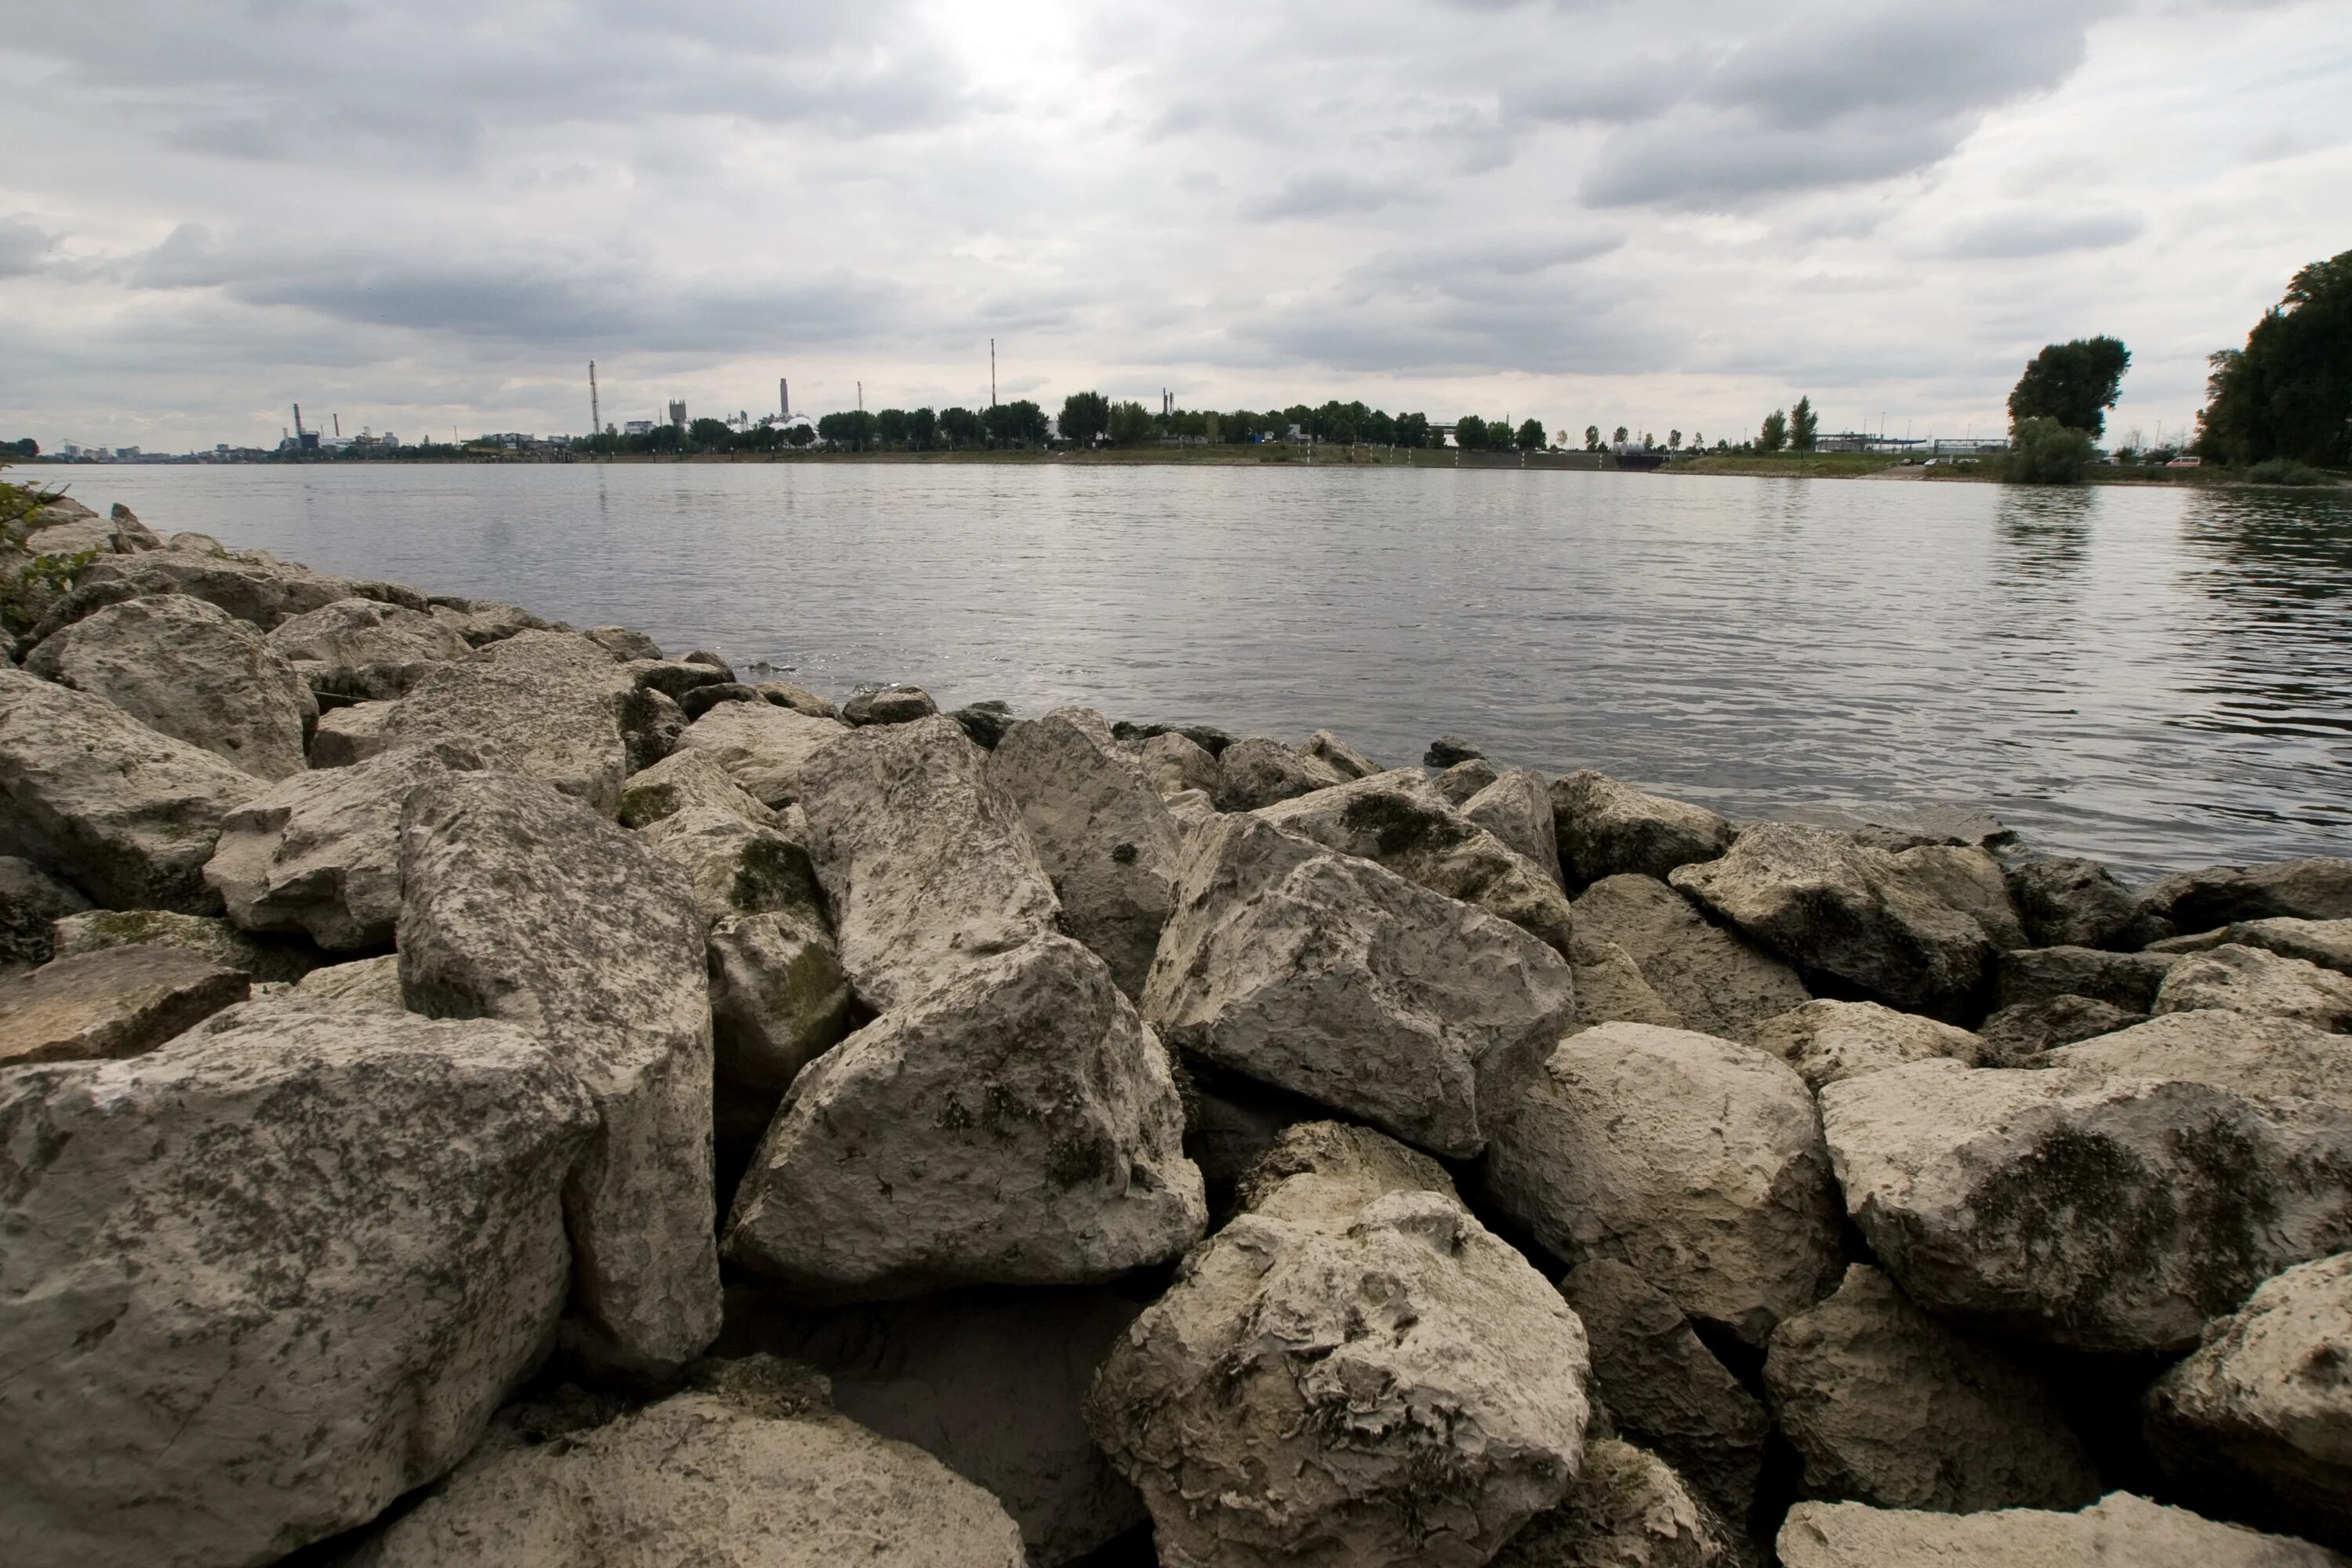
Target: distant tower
(297, 420)
(677, 414)
(596, 414)
(861, 397)
(784, 398)
(991, 373)
(338, 425)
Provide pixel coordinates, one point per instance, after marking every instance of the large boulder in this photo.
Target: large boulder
(1353, 1370)
(778, 1001)
(1610, 987)
(365, 648)
(259, 1284)
(31, 903)
(1259, 770)
(749, 1469)
(2012, 1036)
(1352, 763)
(765, 747)
(2120, 1529)
(2250, 980)
(2327, 943)
(258, 592)
(925, 863)
(2313, 889)
(1665, 1389)
(1887, 1406)
(2071, 902)
(1174, 763)
(1336, 979)
(482, 622)
(1017, 1124)
(347, 735)
(1627, 1509)
(127, 815)
(1696, 1161)
(1965, 877)
(319, 853)
(550, 705)
(2124, 980)
(688, 779)
(1832, 907)
(1716, 982)
(517, 903)
(990, 1387)
(1102, 832)
(112, 1003)
(2265, 1406)
(1516, 809)
(1829, 1041)
(1400, 821)
(187, 670)
(208, 936)
(66, 527)
(2101, 1213)
(1607, 829)
(2243, 1053)
(361, 983)
(738, 868)
(889, 705)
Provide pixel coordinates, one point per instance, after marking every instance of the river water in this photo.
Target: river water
(2157, 678)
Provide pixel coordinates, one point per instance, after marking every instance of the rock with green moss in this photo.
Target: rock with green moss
(738, 868)
(1017, 1124)
(208, 936)
(688, 778)
(778, 1001)
(764, 746)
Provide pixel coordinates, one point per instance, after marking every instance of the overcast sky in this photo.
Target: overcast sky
(431, 214)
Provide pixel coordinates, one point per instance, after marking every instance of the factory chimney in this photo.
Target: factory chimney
(784, 396)
(595, 414)
(297, 420)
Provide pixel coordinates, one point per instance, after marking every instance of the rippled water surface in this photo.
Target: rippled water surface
(2158, 677)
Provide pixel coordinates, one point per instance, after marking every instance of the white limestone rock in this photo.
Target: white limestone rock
(365, 648)
(764, 746)
(1716, 982)
(688, 778)
(1827, 1042)
(1516, 809)
(1259, 770)
(2252, 980)
(549, 705)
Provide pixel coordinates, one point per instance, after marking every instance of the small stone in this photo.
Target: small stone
(111, 1003)
(1449, 749)
(1608, 828)
(890, 705)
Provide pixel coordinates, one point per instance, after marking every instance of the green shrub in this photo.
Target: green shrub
(2045, 452)
(29, 583)
(2286, 471)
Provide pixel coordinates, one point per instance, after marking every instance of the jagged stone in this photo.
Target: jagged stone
(363, 649)
(2066, 901)
(890, 705)
(1259, 771)
(66, 527)
(624, 644)
(1399, 821)
(549, 705)
(112, 1003)
(262, 1282)
(1716, 982)
(1352, 1370)
(1610, 987)
(1336, 979)
(1352, 763)
(689, 778)
(2120, 1529)
(127, 815)
(2327, 943)
(263, 594)
(1698, 1162)
(2023, 1029)
(1017, 1124)
(1829, 906)
(1888, 1406)
(482, 622)
(517, 903)
(319, 853)
(1101, 830)
(738, 868)
(31, 902)
(983, 723)
(1174, 764)
(348, 735)
(1449, 749)
(2124, 980)
(2113, 1214)
(1516, 809)
(188, 670)
(765, 748)
(208, 936)
(2250, 980)
(1665, 1389)
(2245, 1053)
(1461, 783)
(1626, 1509)
(361, 983)
(1966, 878)
(752, 1469)
(1830, 1041)
(1607, 829)
(2315, 889)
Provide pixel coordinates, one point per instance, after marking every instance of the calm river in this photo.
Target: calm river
(2159, 678)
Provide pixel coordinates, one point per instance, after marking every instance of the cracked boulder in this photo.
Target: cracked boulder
(2238, 979)
(548, 705)
(363, 649)
(765, 747)
(1830, 1041)
(1340, 980)
(1716, 980)
(1352, 1370)
(112, 1003)
(1607, 829)
(1697, 1162)
(1259, 770)
(262, 1283)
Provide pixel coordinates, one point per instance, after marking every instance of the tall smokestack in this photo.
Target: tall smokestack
(785, 396)
(595, 414)
(297, 419)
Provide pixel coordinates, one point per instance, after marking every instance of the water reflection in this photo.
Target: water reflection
(2044, 532)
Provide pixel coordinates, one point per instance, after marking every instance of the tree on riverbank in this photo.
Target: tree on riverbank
(1530, 436)
(2288, 392)
(1804, 425)
(2073, 383)
(1084, 415)
(1775, 434)
(2041, 451)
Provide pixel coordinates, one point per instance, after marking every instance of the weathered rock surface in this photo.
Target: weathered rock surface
(1697, 1162)
(549, 705)
(2313, 889)
(1101, 830)
(1449, 749)
(116, 1002)
(262, 1283)
(2250, 980)
(1714, 980)
(2124, 980)
(1259, 771)
(676, 679)
(2071, 902)
(1665, 1389)
(364, 648)
(1461, 783)
(764, 748)
(482, 622)
(1888, 1406)
(1827, 905)
(1894, 825)
(1516, 809)
(2120, 1529)
(1965, 877)
(1338, 980)
(2023, 1029)
(348, 735)
(1610, 987)
(1830, 1041)
(925, 862)
(1351, 1370)
(208, 936)
(738, 868)
(363, 982)
(688, 778)
(624, 643)
(1352, 763)
(1399, 821)
(261, 593)
(127, 815)
(517, 903)
(889, 705)
(1607, 829)
(2327, 943)
(989, 1388)
(1626, 1509)
(2265, 1405)
(188, 670)
(984, 723)
(31, 902)
(319, 853)
(1016, 1125)
(2105, 1216)
(751, 1470)
(778, 1001)
(1175, 763)
(66, 527)
(2242, 1052)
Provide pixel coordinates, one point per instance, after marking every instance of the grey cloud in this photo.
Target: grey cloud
(1323, 194)
(1714, 160)
(24, 247)
(2016, 234)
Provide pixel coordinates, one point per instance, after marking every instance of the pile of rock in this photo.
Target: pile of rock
(478, 1092)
